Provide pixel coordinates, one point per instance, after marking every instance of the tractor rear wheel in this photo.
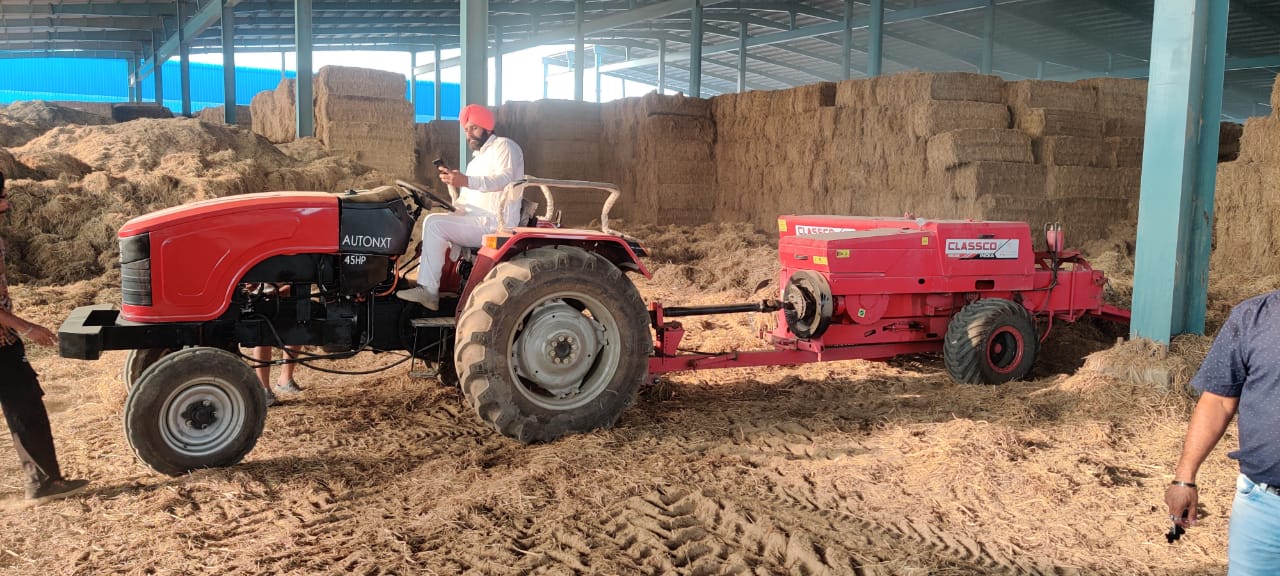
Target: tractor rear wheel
(991, 341)
(138, 362)
(195, 408)
(553, 342)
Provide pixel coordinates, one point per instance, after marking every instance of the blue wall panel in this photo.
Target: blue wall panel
(90, 80)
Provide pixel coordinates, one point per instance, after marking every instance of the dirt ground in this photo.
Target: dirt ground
(842, 468)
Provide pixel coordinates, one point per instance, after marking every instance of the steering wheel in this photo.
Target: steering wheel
(422, 196)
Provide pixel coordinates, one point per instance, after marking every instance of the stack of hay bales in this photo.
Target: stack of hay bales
(560, 140)
(364, 112)
(772, 153)
(272, 112)
(436, 139)
(659, 149)
(1246, 207)
(214, 115)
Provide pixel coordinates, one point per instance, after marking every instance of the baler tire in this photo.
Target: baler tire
(532, 302)
(186, 393)
(138, 362)
(990, 341)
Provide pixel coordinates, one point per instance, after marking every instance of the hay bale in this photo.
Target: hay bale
(1260, 140)
(977, 179)
(1124, 152)
(1041, 122)
(964, 146)
(915, 86)
(214, 115)
(1229, 134)
(1071, 151)
(806, 98)
(1125, 127)
(127, 111)
(1246, 216)
(272, 113)
(1089, 182)
(858, 93)
(351, 81)
(675, 105)
(1050, 94)
(938, 116)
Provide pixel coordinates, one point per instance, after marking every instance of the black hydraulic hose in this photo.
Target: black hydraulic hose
(763, 306)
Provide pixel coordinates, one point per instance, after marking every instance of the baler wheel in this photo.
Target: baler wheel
(991, 341)
(195, 408)
(553, 342)
(138, 362)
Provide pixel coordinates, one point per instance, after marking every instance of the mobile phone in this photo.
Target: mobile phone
(439, 164)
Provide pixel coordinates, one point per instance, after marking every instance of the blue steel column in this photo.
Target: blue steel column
(1175, 210)
(579, 58)
(742, 56)
(132, 69)
(438, 90)
(544, 79)
(695, 50)
(305, 106)
(662, 66)
(988, 37)
(475, 61)
(184, 61)
(846, 40)
(875, 49)
(228, 63)
(157, 67)
(497, 65)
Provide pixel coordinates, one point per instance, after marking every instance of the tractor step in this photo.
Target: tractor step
(435, 322)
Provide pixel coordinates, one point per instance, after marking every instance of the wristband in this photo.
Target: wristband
(1191, 485)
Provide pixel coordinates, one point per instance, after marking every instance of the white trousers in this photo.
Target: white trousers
(440, 230)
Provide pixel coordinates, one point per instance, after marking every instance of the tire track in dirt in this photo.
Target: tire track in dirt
(774, 448)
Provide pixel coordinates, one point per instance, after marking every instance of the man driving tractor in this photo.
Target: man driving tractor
(497, 162)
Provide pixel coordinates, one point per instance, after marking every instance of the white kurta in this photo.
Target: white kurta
(498, 163)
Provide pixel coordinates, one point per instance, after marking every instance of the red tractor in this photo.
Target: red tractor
(547, 336)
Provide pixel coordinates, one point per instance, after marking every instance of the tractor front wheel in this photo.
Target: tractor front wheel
(552, 343)
(991, 341)
(195, 408)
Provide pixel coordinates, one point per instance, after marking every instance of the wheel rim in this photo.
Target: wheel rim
(565, 351)
(1005, 350)
(202, 417)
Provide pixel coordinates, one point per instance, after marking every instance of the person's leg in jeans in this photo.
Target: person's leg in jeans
(1253, 546)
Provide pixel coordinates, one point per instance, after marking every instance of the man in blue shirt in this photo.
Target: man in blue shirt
(1240, 375)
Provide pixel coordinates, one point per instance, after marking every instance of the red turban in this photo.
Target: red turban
(478, 115)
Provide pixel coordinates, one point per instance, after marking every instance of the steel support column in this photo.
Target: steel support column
(1175, 210)
(695, 50)
(875, 42)
(989, 37)
(497, 65)
(158, 75)
(439, 96)
(662, 66)
(846, 40)
(544, 79)
(228, 63)
(475, 61)
(599, 93)
(742, 56)
(579, 46)
(132, 69)
(184, 61)
(305, 103)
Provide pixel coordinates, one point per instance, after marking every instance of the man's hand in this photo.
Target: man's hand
(40, 335)
(453, 178)
(1182, 503)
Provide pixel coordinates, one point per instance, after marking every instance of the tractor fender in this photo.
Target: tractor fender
(616, 250)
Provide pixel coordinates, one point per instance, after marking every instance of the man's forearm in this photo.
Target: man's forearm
(1209, 421)
(11, 320)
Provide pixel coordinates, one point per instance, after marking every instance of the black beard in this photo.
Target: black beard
(477, 144)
